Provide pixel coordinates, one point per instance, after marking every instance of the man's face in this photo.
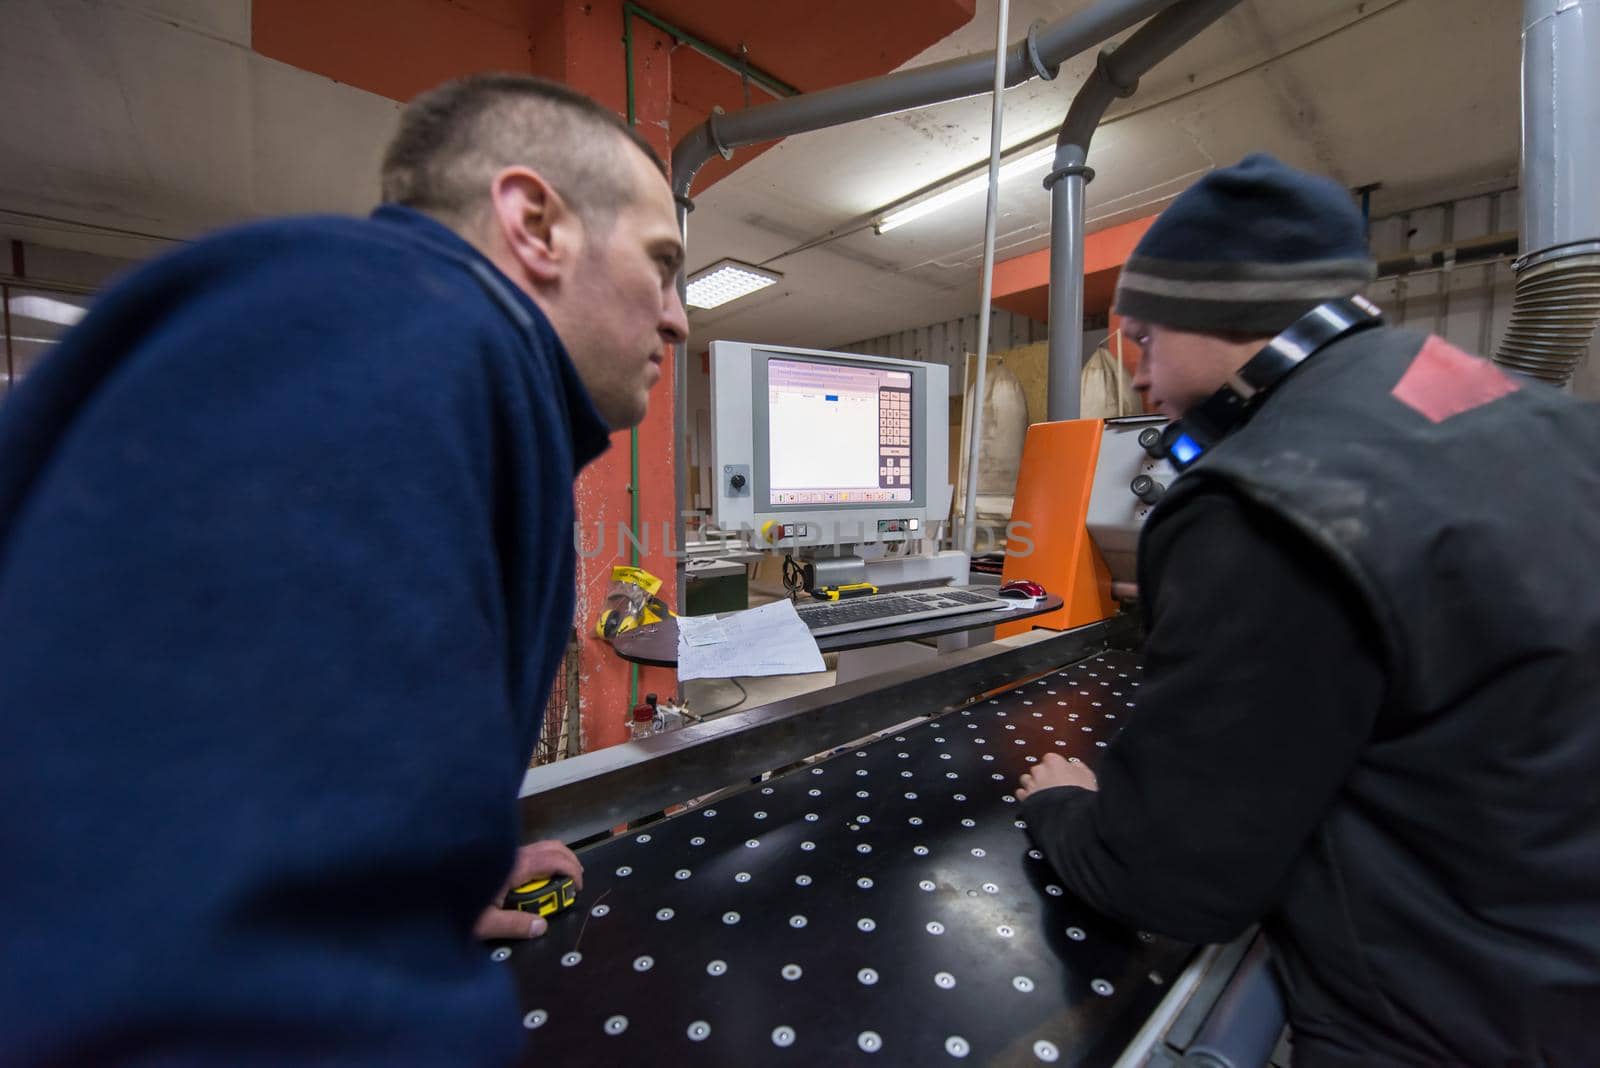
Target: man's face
(620, 306)
(1178, 369)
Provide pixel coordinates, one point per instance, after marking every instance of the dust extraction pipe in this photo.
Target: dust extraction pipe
(1116, 74)
(1558, 276)
(1040, 54)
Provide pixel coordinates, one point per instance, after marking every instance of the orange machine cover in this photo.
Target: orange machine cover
(1052, 501)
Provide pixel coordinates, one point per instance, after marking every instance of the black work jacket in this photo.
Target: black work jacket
(1444, 906)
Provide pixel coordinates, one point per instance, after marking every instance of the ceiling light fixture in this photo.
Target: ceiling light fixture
(727, 280)
(47, 310)
(962, 190)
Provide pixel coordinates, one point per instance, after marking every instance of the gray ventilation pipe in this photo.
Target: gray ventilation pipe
(1039, 54)
(1557, 303)
(1116, 74)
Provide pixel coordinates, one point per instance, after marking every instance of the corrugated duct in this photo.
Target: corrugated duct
(1557, 305)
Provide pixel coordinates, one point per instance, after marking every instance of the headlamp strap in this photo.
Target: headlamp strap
(1185, 440)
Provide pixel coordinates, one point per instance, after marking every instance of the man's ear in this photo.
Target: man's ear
(539, 228)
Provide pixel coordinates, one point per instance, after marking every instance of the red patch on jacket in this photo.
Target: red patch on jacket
(1443, 381)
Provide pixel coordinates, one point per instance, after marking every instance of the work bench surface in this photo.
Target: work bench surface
(882, 906)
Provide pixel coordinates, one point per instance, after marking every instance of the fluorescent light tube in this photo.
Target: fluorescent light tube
(47, 310)
(975, 184)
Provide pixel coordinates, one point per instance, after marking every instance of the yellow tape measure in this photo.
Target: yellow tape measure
(543, 896)
(839, 593)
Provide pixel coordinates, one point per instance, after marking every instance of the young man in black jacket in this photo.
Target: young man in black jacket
(1369, 715)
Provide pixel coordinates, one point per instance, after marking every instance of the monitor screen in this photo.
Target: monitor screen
(826, 448)
(838, 434)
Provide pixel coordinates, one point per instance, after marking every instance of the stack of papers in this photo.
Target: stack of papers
(770, 640)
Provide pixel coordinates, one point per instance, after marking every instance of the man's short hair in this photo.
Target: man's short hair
(455, 138)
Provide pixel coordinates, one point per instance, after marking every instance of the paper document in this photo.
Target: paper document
(770, 640)
(701, 630)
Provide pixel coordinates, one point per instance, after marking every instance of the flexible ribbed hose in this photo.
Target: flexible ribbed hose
(1553, 318)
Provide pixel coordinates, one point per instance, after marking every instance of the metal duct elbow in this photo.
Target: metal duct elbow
(1557, 305)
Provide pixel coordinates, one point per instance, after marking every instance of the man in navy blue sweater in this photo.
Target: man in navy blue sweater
(286, 567)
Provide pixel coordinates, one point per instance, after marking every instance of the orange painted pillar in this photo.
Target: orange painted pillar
(588, 55)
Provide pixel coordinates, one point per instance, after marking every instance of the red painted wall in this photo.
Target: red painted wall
(401, 47)
(1022, 283)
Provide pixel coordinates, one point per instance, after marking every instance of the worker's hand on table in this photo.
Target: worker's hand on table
(1055, 770)
(537, 861)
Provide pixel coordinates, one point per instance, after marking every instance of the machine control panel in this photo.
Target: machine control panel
(1128, 481)
(773, 532)
(1147, 489)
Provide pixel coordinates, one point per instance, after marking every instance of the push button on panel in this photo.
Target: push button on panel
(1150, 441)
(1146, 488)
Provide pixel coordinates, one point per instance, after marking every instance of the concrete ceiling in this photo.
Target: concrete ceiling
(1420, 95)
(128, 125)
(132, 123)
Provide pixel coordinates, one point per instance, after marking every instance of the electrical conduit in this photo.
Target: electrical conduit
(969, 528)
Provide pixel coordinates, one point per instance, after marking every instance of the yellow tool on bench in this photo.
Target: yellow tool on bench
(546, 896)
(840, 593)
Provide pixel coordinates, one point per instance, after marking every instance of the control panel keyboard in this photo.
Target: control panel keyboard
(888, 609)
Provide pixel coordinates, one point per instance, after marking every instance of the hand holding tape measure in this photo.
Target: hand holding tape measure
(544, 881)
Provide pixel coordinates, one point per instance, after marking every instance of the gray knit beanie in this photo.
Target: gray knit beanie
(1247, 249)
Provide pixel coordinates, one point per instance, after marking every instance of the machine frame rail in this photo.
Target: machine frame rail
(586, 795)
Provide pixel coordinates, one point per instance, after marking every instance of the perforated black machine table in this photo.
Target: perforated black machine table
(883, 906)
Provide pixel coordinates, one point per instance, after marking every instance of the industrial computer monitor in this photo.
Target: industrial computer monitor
(820, 448)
